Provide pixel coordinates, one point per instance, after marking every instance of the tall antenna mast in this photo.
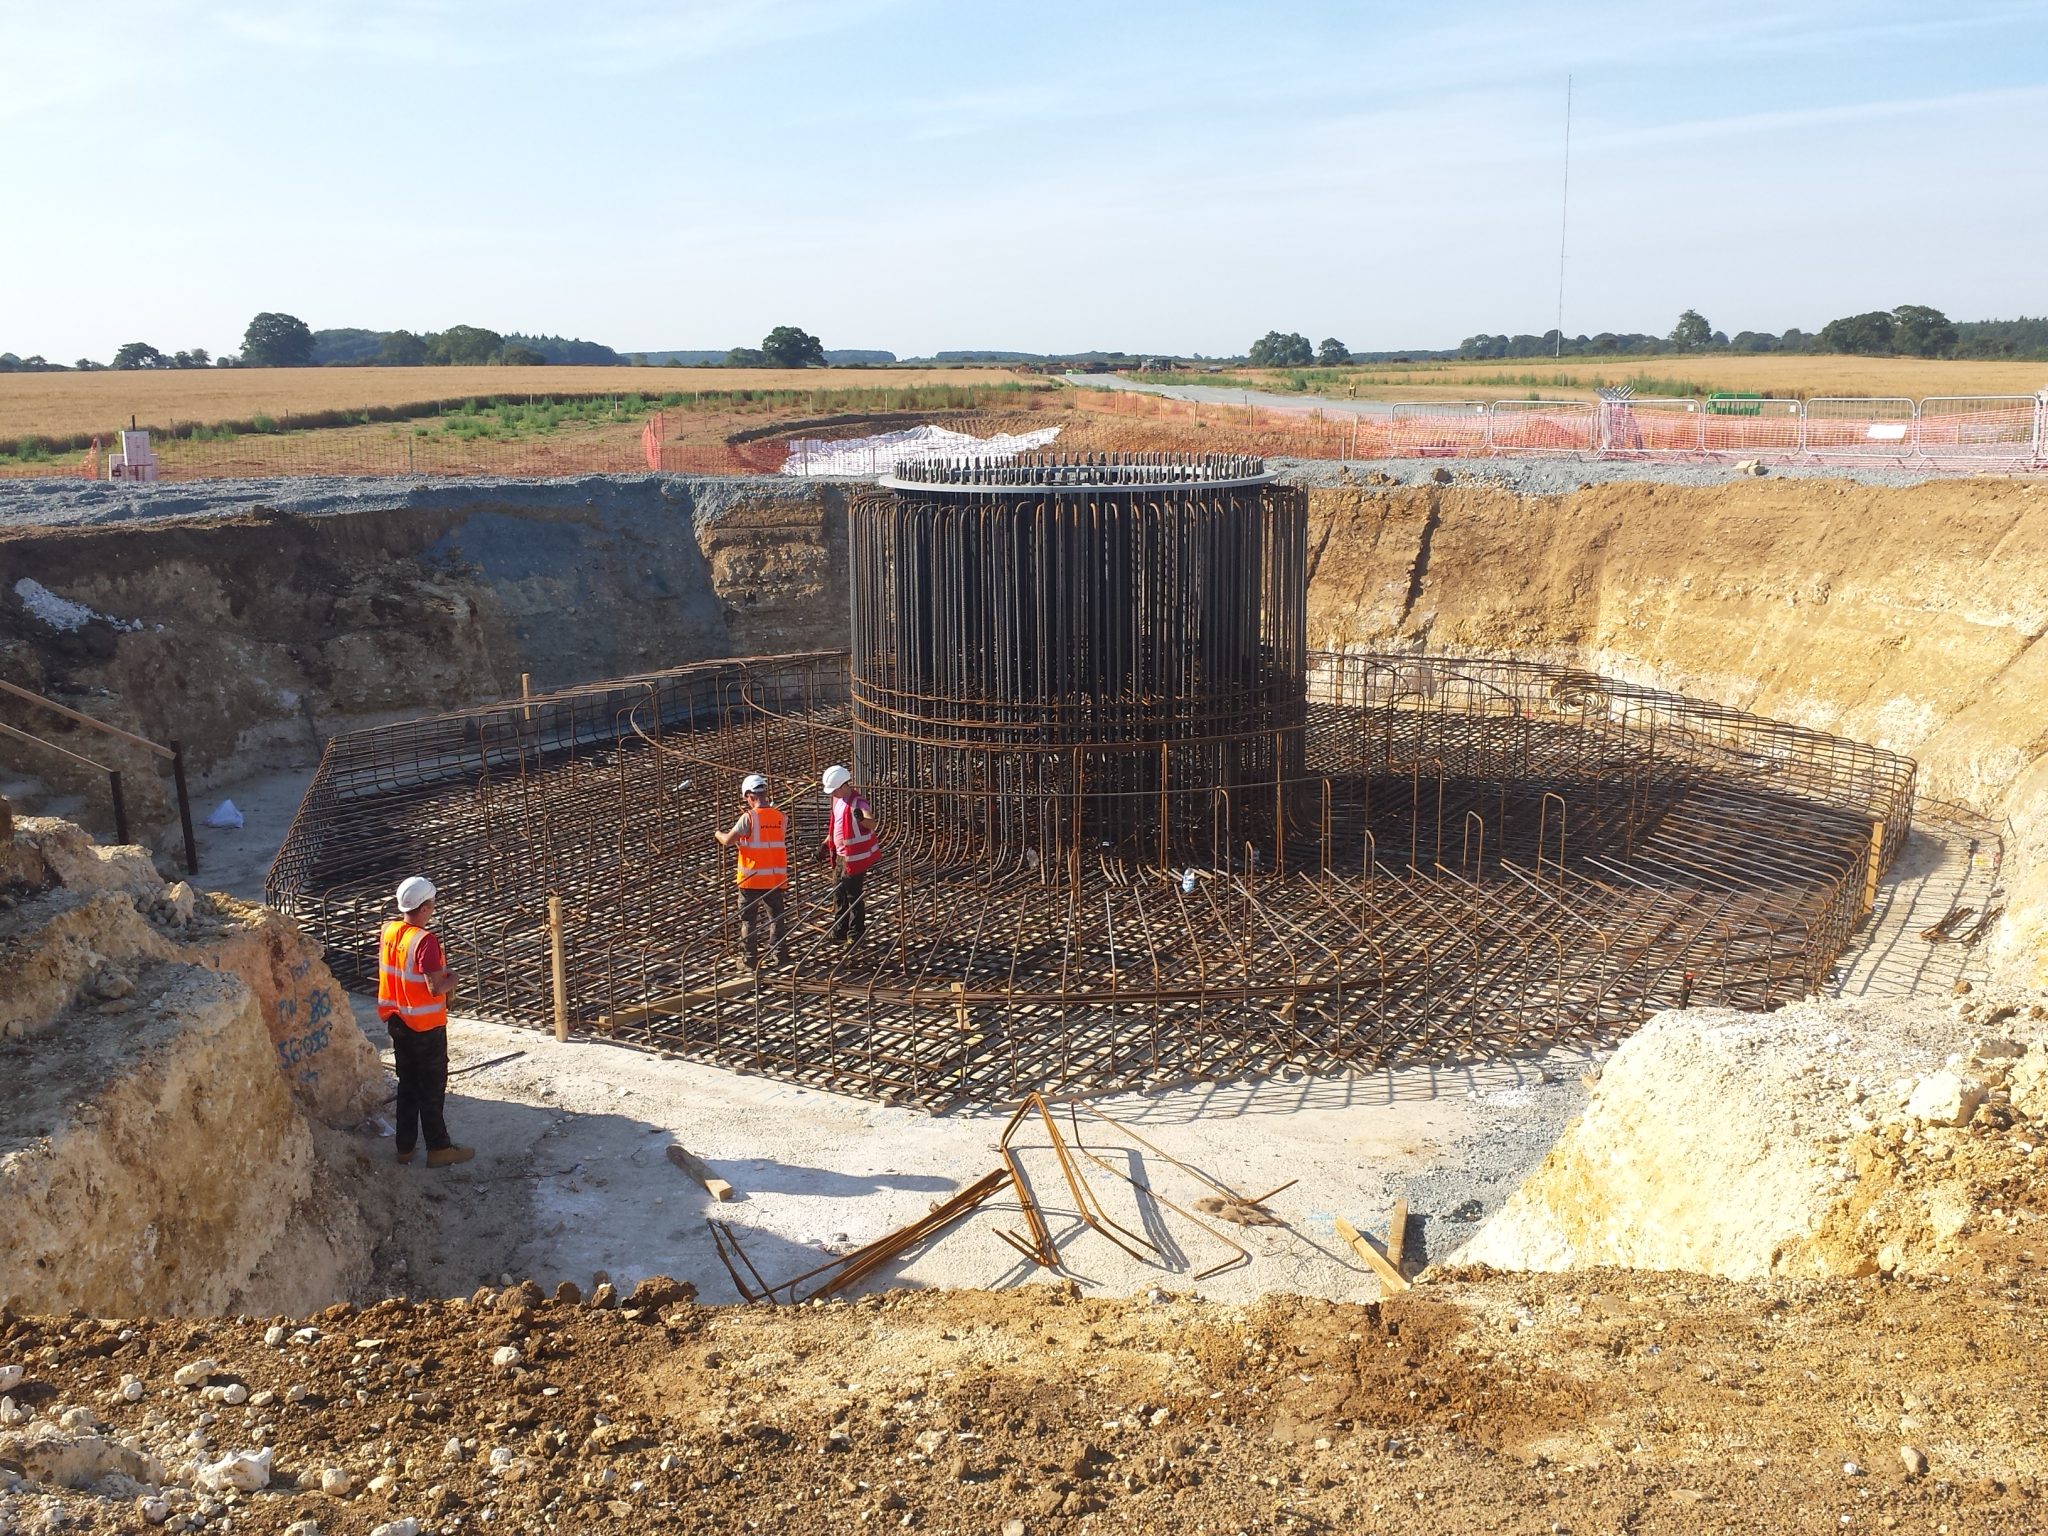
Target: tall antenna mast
(1564, 211)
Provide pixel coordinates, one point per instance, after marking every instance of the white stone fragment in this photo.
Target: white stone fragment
(196, 1373)
(10, 1377)
(335, 1482)
(1945, 1098)
(245, 1470)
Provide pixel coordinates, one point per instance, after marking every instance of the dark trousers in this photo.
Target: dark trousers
(421, 1056)
(754, 900)
(850, 907)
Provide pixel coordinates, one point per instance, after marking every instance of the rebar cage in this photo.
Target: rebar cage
(1469, 858)
(1094, 635)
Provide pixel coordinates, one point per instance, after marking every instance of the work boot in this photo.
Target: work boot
(441, 1157)
(404, 1154)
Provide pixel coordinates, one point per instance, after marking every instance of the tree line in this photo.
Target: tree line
(275, 340)
(1910, 330)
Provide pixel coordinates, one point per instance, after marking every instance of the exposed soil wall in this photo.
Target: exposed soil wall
(253, 635)
(169, 1065)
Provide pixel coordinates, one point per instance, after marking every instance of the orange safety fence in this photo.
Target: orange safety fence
(1937, 433)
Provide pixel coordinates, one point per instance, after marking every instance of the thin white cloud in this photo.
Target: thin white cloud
(613, 37)
(1994, 106)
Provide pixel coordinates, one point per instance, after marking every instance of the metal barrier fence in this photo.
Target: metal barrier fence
(1942, 432)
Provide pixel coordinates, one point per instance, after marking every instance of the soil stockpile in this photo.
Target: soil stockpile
(1592, 1402)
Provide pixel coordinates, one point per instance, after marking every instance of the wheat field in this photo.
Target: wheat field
(1786, 376)
(63, 404)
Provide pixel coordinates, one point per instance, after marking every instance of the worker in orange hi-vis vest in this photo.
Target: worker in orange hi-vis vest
(413, 983)
(761, 836)
(853, 844)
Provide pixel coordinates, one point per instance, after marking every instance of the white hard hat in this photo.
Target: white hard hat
(415, 893)
(753, 784)
(834, 777)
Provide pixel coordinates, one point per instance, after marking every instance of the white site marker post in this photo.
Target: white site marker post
(556, 968)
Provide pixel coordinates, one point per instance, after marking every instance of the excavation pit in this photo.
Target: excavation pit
(1135, 833)
(1477, 858)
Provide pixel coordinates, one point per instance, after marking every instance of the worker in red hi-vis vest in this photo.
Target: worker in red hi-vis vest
(853, 844)
(413, 983)
(761, 836)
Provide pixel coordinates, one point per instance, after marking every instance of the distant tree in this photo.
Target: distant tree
(788, 347)
(639, 360)
(346, 346)
(1692, 332)
(1274, 350)
(138, 354)
(401, 349)
(1793, 339)
(746, 357)
(277, 341)
(1918, 331)
(1868, 335)
(198, 357)
(1332, 353)
(463, 346)
(87, 365)
(9, 363)
(517, 355)
(1753, 341)
(562, 349)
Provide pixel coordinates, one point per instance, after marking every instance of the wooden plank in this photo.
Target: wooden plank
(1397, 1232)
(1391, 1277)
(557, 970)
(696, 1168)
(677, 1002)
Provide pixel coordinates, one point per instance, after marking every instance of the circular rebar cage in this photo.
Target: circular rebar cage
(1094, 637)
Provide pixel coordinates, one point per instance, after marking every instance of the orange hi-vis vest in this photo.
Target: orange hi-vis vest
(764, 854)
(401, 986)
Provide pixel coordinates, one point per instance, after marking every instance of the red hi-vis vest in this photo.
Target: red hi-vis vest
(764, 855)
(857, 850)
(401, 986)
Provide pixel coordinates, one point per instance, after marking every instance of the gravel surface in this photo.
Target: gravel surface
(1560, 477)
(92, 504)
(1602, 1403)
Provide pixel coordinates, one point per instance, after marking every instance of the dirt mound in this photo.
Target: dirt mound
(1597, 1402)
(1832, 1138)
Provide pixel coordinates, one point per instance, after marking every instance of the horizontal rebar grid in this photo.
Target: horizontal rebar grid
(1474, 858)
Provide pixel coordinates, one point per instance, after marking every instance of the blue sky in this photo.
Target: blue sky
(915, 175)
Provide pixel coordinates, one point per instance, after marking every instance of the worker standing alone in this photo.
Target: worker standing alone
(761, 838)
(413, 983)
(853, 845)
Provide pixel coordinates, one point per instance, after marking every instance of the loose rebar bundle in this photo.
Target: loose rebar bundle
(1133, 831)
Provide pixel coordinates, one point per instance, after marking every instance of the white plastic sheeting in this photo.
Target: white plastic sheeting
(879, 455)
